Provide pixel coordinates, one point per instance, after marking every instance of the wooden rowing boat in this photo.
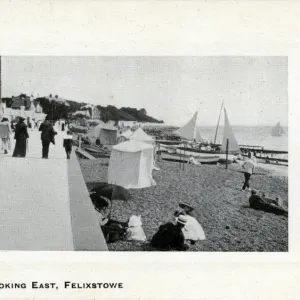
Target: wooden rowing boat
(186, 158)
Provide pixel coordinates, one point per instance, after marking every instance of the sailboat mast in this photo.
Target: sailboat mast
(218, 124)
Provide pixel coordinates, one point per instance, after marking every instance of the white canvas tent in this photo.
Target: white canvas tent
(107, 134)
(141, 136)
(131, 164)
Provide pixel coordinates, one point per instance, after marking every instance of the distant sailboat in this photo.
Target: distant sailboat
(277, 130)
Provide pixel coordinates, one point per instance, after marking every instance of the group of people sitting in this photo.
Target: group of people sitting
(178, 234)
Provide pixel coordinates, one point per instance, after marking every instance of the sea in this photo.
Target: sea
(252, 136)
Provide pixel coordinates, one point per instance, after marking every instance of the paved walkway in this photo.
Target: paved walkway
(35, 209)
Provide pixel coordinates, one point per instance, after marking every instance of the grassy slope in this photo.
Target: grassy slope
(219, 203)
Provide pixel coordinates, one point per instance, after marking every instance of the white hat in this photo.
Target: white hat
(182, 219)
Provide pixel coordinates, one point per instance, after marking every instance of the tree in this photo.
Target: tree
(143, 111)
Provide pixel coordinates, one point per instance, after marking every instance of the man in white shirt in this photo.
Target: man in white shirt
(248, 168)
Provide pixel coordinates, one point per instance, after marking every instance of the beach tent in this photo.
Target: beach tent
(131, 164)
(107, 133)
(141, 136)
(125, 136)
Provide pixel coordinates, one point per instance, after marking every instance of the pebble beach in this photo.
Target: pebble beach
(216, 194)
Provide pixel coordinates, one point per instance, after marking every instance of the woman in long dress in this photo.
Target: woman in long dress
(21, 136)
(192, 230)
(5, 133)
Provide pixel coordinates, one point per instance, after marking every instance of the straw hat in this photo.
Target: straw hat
(182, 219)
(185, 205)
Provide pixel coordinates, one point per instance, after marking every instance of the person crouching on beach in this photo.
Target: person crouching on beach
(170, 237)
(248, 168)
(192, 230)
(68, 142)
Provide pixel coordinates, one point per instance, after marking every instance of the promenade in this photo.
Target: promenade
(44, 202)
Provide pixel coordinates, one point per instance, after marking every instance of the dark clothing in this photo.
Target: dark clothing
(45, 150)
(21, 136)
(169, 237)
(48, 132)
(247, 179)
(63, 127)
(256, 202)
(47, 136)
(68, 147)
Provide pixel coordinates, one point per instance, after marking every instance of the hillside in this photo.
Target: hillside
(56, 110)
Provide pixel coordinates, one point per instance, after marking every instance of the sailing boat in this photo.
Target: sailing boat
(189, 132)
(277, 130)
(228, 135)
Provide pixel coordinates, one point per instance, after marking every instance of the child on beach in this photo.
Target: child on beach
(68, 142)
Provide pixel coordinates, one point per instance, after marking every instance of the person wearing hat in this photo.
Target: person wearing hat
(192, 230)
(21, 136)
(5, 133)
(170, 237)
(47, 137)
(184, 209)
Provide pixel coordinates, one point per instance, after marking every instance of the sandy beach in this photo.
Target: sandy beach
(220, 205)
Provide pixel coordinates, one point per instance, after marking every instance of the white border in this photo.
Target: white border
(163, 28)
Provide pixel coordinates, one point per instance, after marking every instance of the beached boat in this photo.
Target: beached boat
(186, 158)
(229, 145)
(277, 130)
(78, 129)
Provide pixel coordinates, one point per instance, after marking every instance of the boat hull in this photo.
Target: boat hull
(195, 152)
(212, 160)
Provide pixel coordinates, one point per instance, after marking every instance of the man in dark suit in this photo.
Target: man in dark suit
(47, 137)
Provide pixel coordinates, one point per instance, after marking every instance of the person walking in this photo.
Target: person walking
(47, 137)
(68, 142)
(5, 133)
(21, 136)
(248, 168)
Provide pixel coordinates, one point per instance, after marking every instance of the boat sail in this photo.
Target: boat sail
(189, 130)
(233, 146)
(277, 130)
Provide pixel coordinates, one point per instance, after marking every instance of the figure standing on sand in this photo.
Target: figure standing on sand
(47, 137)
(21, 136)
(248, 168)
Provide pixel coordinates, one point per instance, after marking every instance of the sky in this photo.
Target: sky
(254, 89)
